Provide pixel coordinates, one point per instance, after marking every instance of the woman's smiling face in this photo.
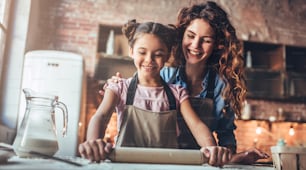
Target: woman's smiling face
(198, 42)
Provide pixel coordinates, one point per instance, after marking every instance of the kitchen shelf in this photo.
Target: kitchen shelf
(265, 83)
(296, 59)
(276, 121)
(120, 42)
(277, 71)
(265, 56)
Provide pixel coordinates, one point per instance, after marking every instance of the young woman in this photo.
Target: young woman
(146, 105)
(211, 68)
(209, 64)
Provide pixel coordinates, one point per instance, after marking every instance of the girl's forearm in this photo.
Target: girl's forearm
(97, 127)
(203, 136)
(98, 123)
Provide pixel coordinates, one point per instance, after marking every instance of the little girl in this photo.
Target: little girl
(146, 106)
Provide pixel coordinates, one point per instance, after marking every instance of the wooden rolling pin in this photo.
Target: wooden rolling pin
(157, 156)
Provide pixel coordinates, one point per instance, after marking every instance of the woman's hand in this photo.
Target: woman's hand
(95, 150)
(113, 79)
(217, 155)
(249, 157)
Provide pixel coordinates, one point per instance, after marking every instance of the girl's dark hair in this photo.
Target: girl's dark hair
(227, 59)
(167, 34)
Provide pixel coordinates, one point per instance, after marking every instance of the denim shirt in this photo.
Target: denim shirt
(225, 126)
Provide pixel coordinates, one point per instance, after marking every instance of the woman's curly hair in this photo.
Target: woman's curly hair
(227, 58)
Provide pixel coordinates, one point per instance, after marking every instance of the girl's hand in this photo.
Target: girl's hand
(249, 157)
(217, 155)
(113, 79)
(95, 150)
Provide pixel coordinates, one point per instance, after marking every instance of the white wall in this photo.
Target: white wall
(13, 66)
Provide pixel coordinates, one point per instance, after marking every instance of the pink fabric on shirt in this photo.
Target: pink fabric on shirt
(148, 98)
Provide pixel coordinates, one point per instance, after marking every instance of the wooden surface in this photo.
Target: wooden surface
(15, 163)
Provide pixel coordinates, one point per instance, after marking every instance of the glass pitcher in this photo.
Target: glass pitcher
(37, 131)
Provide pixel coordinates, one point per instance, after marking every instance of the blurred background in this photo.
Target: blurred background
(272, 33)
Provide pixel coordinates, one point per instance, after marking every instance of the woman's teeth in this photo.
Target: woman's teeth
(194, 53)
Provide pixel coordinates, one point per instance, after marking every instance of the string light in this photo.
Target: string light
(258, 130)
(255, 142)
(291, 130)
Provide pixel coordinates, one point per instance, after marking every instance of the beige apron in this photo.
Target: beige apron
(204, 109)
(143, 128)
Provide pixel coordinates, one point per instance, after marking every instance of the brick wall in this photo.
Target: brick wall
(269, 136)
(72, 25)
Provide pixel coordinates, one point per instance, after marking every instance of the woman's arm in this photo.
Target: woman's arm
(113, 79)
(249, 156)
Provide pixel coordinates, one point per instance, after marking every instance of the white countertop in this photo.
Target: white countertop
(15, 163)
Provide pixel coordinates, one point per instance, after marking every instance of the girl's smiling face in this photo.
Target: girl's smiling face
(149, 54)
(198, 42)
